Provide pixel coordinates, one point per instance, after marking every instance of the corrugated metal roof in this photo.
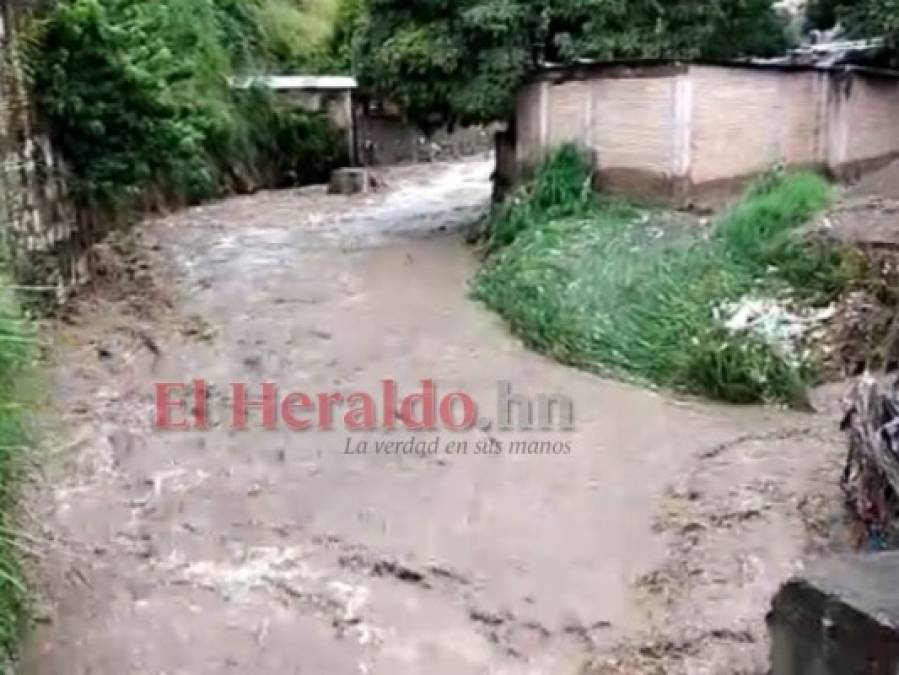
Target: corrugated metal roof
(291, 82)
(839, 56)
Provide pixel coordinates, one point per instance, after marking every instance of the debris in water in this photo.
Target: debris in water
(787, 329)
(871, 477)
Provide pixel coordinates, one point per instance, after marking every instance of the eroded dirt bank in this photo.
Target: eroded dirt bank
(653, 546)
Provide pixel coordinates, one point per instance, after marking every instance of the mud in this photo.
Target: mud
(653, 546)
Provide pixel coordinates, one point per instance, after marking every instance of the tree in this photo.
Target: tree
(446, 61)
(460, 61)
(350, 15)
(823, 14)
(137, 99)
(872, 18)
(683, 29)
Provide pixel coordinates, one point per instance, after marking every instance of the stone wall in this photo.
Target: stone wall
(37, 222)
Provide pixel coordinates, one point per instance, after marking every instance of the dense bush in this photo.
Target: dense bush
(137, 96)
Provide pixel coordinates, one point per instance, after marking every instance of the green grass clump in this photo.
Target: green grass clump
(760, 233)
(561, 188)
(599, 286)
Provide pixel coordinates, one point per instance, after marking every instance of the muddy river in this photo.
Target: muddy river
(648, 538)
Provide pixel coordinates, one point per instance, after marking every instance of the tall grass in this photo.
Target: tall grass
(16, 352)
(601, 286)
(759, 234)
(560, 188)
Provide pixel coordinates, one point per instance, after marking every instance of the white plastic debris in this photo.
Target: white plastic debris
(774, 322)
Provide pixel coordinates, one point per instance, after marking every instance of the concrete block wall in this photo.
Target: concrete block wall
(678, 132)
(634, 127)
(631, 125)
(745, 120)
(862, 113)
(531, 124)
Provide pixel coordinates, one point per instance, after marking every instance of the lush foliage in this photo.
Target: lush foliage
(875, 18)
(460, 61)
(349, 25)
(613, 289)
(138, 100)
(294, 35)
(721, 29)
(446, 61)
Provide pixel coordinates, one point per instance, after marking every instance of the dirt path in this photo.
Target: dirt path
(275, 552)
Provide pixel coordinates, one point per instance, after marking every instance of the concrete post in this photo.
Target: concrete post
(840, 618)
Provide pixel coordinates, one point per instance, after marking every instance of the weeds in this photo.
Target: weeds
(15, 357)
(602, 286)
(561, 188)
(759, 233)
